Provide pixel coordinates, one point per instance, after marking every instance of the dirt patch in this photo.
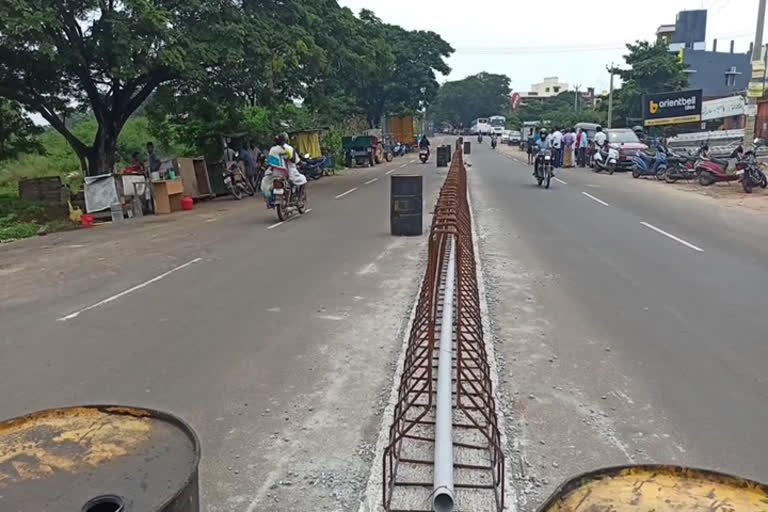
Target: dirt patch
(728, 194)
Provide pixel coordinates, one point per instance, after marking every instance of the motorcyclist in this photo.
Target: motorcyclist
(493, 141)
(424, 143)
(282, 159)
(479, 138)
(543, 142)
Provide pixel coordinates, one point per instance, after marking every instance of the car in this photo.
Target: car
(515, 137)
(505, 136)
(626, 141)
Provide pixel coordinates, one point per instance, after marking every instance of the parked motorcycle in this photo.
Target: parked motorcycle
(237, 183)
(680, 167)
(399, 149)
(424, 155)
(543, 167)
(753, 175)
(716, 171)
(605, 159)
(312, 169)
(646, 164)
(286, 197)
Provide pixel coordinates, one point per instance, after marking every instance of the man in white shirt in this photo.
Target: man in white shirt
(600, 138)
(557, 147)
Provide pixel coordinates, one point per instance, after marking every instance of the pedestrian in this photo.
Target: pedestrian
(557, 147)
(583, 145)
(531, 147)
(248, 163)
(569, 140)
(154, 162)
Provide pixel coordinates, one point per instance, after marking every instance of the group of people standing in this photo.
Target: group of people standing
(569, 146)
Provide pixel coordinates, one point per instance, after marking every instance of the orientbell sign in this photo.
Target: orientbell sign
(672, 108)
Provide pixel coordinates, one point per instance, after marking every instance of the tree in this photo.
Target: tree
(17, 131)
(107, 56)
(482, 95)
(398, 74)
(652, 68)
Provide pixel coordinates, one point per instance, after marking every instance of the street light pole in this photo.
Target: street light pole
(576, 97)
(757, 48)
(610, 97)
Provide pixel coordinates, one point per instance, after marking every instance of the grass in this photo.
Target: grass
(23, 219)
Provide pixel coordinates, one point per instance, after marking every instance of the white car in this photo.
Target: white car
(505, 136)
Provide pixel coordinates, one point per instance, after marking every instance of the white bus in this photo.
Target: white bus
(481, 126)
(498, 124)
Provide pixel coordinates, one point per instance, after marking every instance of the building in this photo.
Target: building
(690, 30)
(665, 33)
(718, 74)
(550, 86)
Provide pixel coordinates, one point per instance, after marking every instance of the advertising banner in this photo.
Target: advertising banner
(723, 107)
(672, 108)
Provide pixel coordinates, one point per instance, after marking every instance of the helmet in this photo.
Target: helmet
(281, 138)
(543, 131)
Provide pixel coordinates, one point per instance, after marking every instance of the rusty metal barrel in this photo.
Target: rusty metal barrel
(100, 458)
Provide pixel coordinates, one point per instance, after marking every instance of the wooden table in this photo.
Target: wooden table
(168, 194)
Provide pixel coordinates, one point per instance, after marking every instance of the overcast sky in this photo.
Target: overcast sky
(528, 40)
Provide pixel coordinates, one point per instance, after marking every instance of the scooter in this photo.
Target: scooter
(716, 171)
(424, 155)
(399, 149)
(644, 164)
(605, 159)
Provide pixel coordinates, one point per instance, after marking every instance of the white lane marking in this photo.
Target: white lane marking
(404, 165)
(595, 199)
(129, 290)
(212, 220)
(335, 318)
(289, 219)
(390, 171)
(673, 237)
(346, 193)
(561, 181)
(274, 310)
(374, 180)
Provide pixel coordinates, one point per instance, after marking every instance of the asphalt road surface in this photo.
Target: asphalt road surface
(631, 321)
(276, 341)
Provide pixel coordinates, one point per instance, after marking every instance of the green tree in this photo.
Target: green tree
(460, 102)
(400, 66)
(107, 56)
(17, 131)
(652, 68)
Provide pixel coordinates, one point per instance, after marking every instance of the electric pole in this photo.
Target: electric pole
(757, 48)
(576, 97)
(610, 96)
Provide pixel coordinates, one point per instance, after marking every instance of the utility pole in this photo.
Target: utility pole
(610, 96)
(757, 48)
(576, 97)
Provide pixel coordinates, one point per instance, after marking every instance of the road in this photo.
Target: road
(276, 341)
(630, 321)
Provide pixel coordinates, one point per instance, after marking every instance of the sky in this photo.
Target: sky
(572, 39)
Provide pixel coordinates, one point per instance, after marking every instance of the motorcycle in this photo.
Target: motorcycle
(605, 159)
(543, 167)
(645, 164)
(680, 167)
(493, 142)
(424, 155)
(286, 197)
(716, 171)
(753, 175)
(479, 138)
(313, 169)
(236, 182)
(399, 149)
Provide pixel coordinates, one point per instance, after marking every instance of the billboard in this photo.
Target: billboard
(672, 107)
(723, 107)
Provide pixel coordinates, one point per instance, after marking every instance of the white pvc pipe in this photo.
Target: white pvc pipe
(443, 498)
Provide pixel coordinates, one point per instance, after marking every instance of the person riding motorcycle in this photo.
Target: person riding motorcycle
(282, 160)
(543, 142)
(424, 143)
(493, 141)
(479, 138)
